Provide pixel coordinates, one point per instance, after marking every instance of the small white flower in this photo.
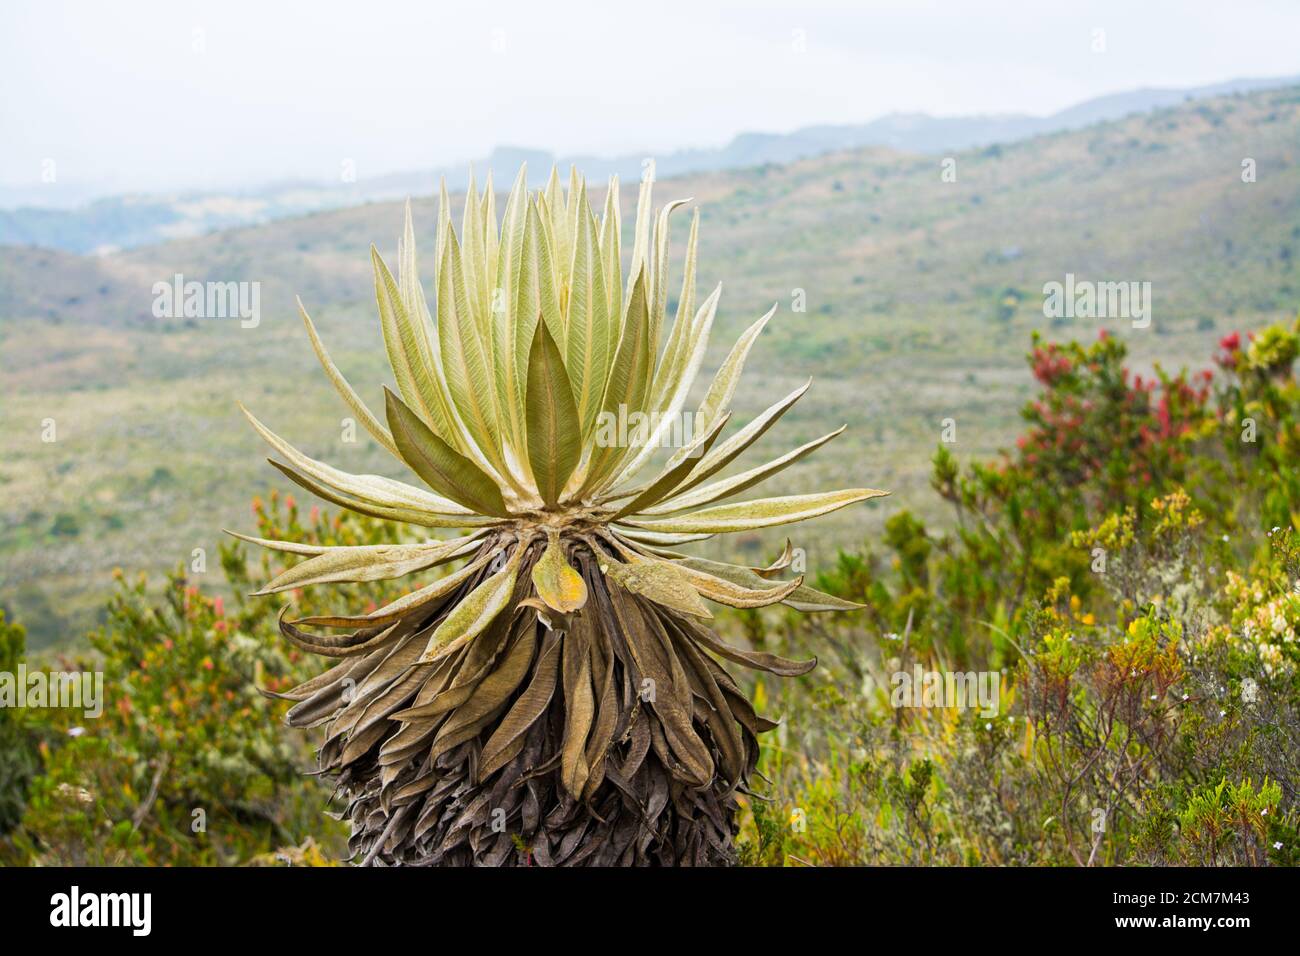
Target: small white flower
(988, 726)
(1277, 845)
(1223, 713)
(76, 731)
(1187, 696)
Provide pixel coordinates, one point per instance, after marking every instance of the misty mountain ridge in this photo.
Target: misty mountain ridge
(121, 222)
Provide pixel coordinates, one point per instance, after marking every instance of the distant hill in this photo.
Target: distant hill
(920, 298)
(128, 221)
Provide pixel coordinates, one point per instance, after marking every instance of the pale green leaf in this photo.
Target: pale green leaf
(659, 272)
(801, 598)
(716, 491)
(464, 361)
(410, 357)
(735, 595)
(678, 388)
(471, 616)
(656, 538)
(394, 610)
(726, 452)
(557, 583)
(504, 293)
(718, 398)
(377, 562)
(673, 475)
(587, 344)
(610, 257)
(354, 402)
(291, 547)
(374, 489)
(425, 519)
(444, 469)
(535, 297)
(554, 433)
(685, 321)
(641, 231)
(625, 391)
(761, 513)
(657, 581)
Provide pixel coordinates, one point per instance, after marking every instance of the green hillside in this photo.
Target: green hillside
(920, 298)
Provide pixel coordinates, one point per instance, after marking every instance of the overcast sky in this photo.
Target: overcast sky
(163, 94)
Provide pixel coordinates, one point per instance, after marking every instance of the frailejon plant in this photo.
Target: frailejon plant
(555, 700)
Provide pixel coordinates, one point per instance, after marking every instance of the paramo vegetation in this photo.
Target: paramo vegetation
(1130, 570)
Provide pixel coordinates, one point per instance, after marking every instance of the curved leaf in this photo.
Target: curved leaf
(376, 562)
(404, 605)
(557, 583)
(292, 547)
(734, 595)
(424, 519)
(409, 355)
(586, 346)
(658, 581)
(707, 494)
(554, 431)
(718, 398)
(527, 708)
(760, 513)
(464, 360)
(373, 489)
(354, 402)
(801, 599)
(444, 469)
(656, 538)
(470, 617)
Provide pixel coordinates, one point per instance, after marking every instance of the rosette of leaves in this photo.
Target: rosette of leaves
(558, 698)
